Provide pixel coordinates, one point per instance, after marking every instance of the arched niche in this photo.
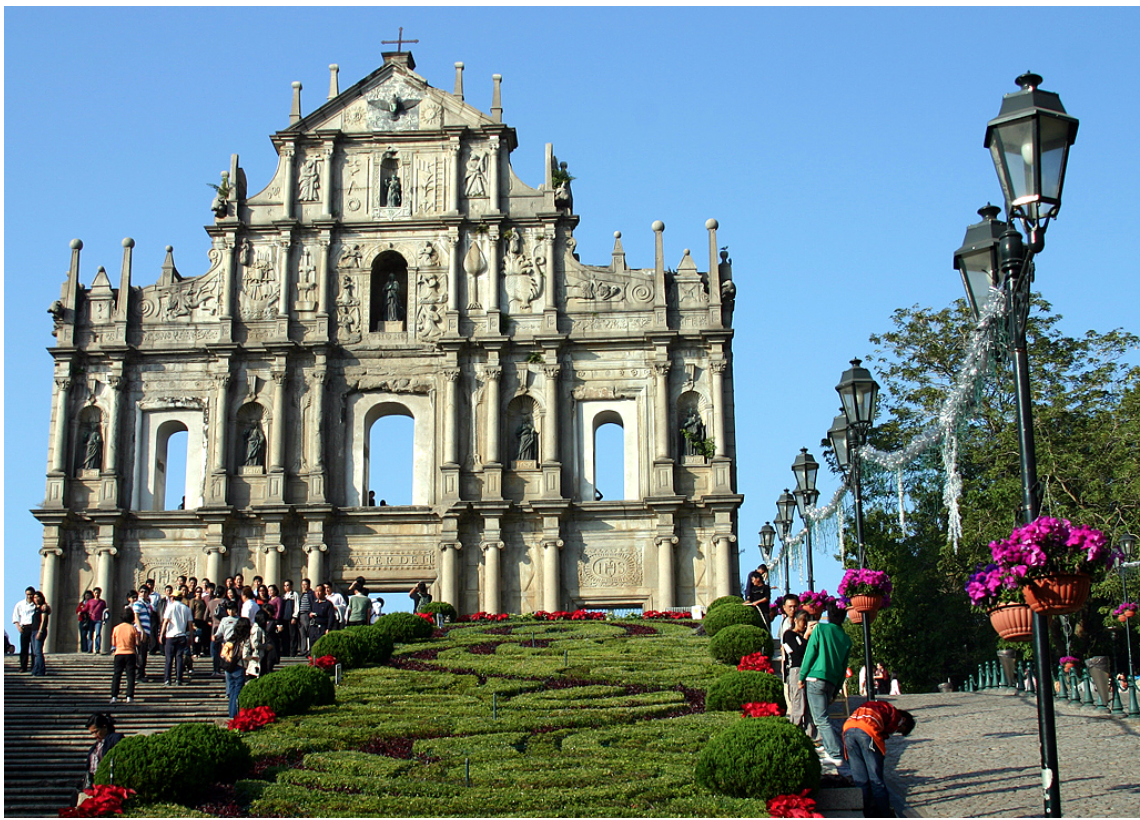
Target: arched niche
(522, 444)
(691, 419)
(251, 441)
(388, 293)
(91, 440)
(153, 456)
(591, 416)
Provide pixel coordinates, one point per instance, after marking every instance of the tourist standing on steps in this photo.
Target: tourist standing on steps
(340, 606)
(758, 593)
(792, 647)
(22, 618)
(320, 617)
(359, 604)
(143, 625)
(249, 605)
(822, 673)
(102, 729)
(97, 608)
(86, 628)
(175, 637)
(125, 644)
(305, 600)
(40, 619)
(420, 596)
(865, 741)
(289, 620)
(237, 645)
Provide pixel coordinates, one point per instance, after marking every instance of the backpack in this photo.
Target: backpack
(231, 656)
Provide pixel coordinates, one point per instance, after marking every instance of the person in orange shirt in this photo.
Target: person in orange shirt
(125, 640)
(865, 744)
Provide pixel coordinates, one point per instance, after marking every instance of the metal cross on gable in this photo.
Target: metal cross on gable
(399, 41)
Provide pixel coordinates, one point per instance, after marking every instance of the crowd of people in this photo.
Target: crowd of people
(814, 651)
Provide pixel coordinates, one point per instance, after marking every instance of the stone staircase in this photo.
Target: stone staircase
(45, 734)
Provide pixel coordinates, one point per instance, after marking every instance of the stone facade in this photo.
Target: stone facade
(395, 264)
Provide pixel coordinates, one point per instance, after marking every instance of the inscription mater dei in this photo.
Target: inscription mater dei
(424, 559)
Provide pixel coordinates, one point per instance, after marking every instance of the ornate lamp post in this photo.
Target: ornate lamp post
(860, 394)
(767, 541)
(1128, 547)
(784, 506)
(806, 469)
(1029, 141)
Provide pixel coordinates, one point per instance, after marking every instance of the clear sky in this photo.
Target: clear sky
(840, 150)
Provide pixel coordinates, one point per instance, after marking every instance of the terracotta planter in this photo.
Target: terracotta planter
(854, 616)
(1123, 618)
(1057, 594)
(812, 609)
(866, 603)
(1069, 667)
(1012, 622)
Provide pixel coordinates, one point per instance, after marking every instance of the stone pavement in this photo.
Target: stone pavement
(977, 754)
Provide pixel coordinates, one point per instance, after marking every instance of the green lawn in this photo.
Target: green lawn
(523, 718)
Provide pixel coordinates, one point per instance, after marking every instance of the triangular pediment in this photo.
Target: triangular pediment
(391, 99)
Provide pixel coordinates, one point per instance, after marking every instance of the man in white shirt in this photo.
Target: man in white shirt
(339, 604)
(22, 618)
(249, 605)
(175, 635)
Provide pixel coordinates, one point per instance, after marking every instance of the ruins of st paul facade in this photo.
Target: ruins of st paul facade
(396, 265)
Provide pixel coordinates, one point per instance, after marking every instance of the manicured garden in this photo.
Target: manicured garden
(523, 717)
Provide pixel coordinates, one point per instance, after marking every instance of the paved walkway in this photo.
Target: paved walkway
(977, 754)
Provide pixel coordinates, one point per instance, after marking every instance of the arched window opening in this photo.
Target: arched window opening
(389, 455)
(609, 458)
(170, 466)
(388, 297)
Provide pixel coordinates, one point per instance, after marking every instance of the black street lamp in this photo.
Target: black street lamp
(1029, 141)
(806, 469)
(1128, 547)
(784, 506)
(767, 541)
(860, 394)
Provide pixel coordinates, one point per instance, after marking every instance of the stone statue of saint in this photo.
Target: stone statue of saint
(309, 183)
(393, 310)
(393, 193)
(693, 433)
(93, 451)
(254, 446)
(528, 441)
(475, 180)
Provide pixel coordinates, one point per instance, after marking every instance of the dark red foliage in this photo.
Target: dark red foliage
(638, 629)
(397, 747)
(484, 648)
(290, 761)
(220, 800)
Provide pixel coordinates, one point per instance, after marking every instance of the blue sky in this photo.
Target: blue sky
(840, 150)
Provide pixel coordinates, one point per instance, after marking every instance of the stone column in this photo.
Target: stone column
(714, 276)
(449, 572)
(717, 367)
(550, 422)
(271, 572)
(317, 390)
(550, 308)
(494, 173)
(665, 573)
(277, 440)
(284, 244)
(661, 423)
(491, 572)
(51, 553)
(326, 180)
(315, 565)
(456, 176)
(287, 192)
(494, 423)
(221, 420)
(214, 562)
(116, 383)
(722, 549)
(551, 574)
(59, 432)
(450, 417)
(105, 580)
(493, 276)
(323, 296)
(453, 269)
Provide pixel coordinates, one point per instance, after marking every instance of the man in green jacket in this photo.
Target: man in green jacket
(822, 672)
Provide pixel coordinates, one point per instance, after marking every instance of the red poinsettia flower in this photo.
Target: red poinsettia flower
(325, 662)
(102, 801)
(756, 662)
(249, 720)
(793, 805)
(762, 710)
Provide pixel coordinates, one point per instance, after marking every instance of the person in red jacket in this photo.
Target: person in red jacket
(865, 744)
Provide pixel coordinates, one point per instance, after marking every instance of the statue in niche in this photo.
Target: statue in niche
(393, 309)
(254, 446)
(693, 432)
(475, 181)
(309, 183)
(393, 192)
(93, 449)
(527, 441)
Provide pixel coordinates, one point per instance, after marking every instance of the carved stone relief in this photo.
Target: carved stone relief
(475, 176)
(348, 309)
(185, 300)
(309, 179)
(393, 106)
(306, 282)
(523, 274)
(610, 567)
(429, 185)
(355, 185)
(431, 296)
(260, 287)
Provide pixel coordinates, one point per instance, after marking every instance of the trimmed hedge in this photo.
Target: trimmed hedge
(377, 646)
(733, 689)
(442, 608)
(176, 765)
(721, 601)
(731, 614)
(404, 627)
(289, 691)
(347, 647)
(732, 643)
(759, 758)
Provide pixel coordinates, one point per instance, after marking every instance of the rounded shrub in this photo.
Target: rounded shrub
(721, 601)
(732, 643)
(176, 765)
(759, 758)
(376, 644)
(730, 614)
(732, 690)
(441, 608)
(404, 627)
(347, 647)
(292, 690)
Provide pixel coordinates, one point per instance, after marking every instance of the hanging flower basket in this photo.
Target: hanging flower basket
(1125, 611)
(1012, 622)
(1057, 594)
(866, 603)
(854, 616)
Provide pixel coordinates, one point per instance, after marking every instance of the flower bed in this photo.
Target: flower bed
(250, 720)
